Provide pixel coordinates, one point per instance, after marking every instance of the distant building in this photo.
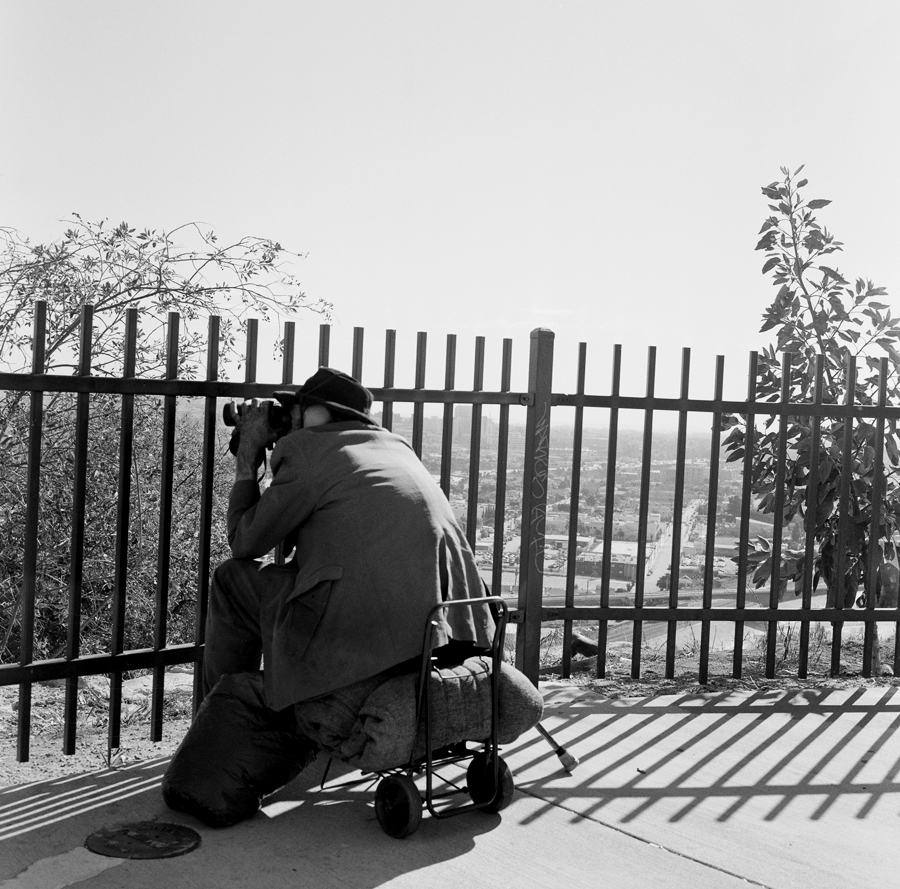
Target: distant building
(556, 522)
(562, 541)
(695, 474)
(622, 566)
(628, 527)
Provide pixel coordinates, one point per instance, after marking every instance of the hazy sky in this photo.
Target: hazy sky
(472, 167)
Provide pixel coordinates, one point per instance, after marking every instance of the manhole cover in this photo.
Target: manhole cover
(144, 839)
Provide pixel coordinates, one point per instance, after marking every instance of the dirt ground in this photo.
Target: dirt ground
(92, 752)
(46, 757)
(618, 681)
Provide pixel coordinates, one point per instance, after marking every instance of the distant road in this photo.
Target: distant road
(621, 630)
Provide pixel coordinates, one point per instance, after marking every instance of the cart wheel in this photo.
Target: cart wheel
(398, 806)
(480, 780)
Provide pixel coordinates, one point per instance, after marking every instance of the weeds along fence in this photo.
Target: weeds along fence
(113, 498)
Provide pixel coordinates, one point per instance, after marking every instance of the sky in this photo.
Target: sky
(473, 168)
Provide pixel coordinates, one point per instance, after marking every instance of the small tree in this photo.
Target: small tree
(114, 269)
(819, 316)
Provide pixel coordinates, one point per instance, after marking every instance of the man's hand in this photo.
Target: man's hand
(252, 420)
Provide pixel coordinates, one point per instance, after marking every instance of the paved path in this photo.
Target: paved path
(773, 789)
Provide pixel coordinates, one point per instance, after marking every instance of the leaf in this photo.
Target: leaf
(893, 452)
(770, 263)
(831, 273)
(762, 573)
(817, 204)
(802, 182)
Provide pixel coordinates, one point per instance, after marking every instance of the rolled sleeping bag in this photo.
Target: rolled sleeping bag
(385, 731)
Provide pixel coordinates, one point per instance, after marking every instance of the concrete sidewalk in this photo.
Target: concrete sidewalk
(771, 789)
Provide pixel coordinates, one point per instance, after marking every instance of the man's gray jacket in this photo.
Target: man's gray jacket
(376, 547)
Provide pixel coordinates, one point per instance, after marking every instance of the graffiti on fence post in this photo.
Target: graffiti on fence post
(534, 502)
(537, 519)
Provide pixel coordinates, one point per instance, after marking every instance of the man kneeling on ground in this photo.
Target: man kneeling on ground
(375, 546)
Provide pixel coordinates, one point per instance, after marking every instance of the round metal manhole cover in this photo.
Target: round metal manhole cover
(144, 839)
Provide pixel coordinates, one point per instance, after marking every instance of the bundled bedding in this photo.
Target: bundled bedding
(238, 750)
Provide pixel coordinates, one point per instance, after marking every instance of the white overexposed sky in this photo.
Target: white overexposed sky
(472, 167)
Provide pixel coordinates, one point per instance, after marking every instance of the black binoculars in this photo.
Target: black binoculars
(279, 417)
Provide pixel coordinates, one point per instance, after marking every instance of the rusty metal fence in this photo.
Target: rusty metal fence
(534, 605)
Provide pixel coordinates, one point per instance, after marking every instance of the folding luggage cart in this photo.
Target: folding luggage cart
(489, 781)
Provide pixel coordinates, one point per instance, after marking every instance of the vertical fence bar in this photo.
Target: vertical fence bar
(324, 344)
(287, 378)
(502, 457)
(76, 552)
(712, 502)
(287, 352)
(609, 502)
(875, 556)
(358, 336)
(643, 516)
(746, 500)
(678, 513)
(252, 352)
(123, 522)
(418, 407)
(475, 447)
(251, 349)
(784, 422)
(207, 479)
(896, 663)
(840, 574)
(164, 544)
(574, 496)
(390, 356)
(812, 505)
(447, 425)
(534, 503)
(32, 514)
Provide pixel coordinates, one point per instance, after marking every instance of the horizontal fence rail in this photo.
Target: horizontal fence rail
(513, 480)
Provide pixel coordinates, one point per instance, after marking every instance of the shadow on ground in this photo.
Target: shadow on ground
(802, 752)
(302, 828)
(796, 787)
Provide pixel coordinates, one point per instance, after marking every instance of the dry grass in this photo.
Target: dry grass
(652, 680)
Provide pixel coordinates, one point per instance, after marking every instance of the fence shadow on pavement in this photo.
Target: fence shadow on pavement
(803, 753)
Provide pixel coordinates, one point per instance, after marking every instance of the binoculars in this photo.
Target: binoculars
(279, 417)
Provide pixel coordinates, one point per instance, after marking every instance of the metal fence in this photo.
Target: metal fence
(534, 604)
(760, 606)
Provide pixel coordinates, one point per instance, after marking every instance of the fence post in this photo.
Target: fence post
(534, 502)
(32, 525)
